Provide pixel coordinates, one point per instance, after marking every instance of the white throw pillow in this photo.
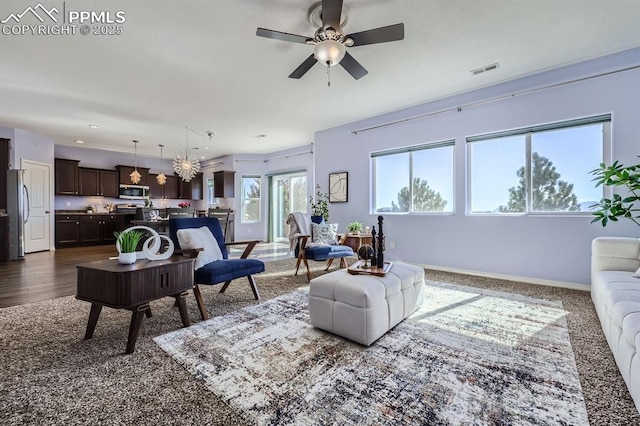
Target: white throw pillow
(637, 274)
(194, 238)
(325, 234)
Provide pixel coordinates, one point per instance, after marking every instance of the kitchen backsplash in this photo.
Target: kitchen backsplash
(63, 202)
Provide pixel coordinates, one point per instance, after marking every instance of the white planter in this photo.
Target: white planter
(127, 258)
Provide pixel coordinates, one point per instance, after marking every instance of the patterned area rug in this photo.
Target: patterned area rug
(467, 356)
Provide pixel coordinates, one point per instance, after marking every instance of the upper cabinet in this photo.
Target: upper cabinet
(96, 182)
(223, 184)
(125, 171)
(169, 190)
(191, 190)
(66, 177)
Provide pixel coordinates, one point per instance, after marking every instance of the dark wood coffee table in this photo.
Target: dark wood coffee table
(132, 287)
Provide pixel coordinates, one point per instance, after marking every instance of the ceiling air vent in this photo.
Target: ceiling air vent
(485, 69)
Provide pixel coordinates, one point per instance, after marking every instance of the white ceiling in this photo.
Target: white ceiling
(199, 63)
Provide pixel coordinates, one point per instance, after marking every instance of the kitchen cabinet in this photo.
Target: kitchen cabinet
(66, 176)
(125, 171)
(96, 182)
(98, 229)
(4, 166)
(191, 190)
(67, 230)
(223, 184)
(168, 190)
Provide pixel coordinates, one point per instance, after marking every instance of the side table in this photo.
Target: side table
(132, 287)
(355, 241)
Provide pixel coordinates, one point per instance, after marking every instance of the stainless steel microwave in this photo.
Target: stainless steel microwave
(134, 192)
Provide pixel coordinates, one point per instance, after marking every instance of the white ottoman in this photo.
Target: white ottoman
(363, 307)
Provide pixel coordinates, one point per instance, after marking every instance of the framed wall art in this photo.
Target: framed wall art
(339, 187)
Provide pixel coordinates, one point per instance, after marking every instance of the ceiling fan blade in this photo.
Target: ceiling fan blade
(304, 67)
(331, 13)
(278, 35)
(353, 67)
(378, 35)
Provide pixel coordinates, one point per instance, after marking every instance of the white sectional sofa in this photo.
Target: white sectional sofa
(616, 294)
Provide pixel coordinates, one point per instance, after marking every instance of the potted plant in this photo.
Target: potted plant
(354, 227)
(319, 207)
(610, 209)
(127, 243)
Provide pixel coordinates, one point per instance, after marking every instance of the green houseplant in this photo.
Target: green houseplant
(610, 209)
(127, 243)
(320, 206)
(355, 227)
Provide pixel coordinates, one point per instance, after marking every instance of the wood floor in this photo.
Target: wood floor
(45, 275)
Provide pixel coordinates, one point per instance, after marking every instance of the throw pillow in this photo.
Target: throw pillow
(325, 234)
(637, 274)
(195, 238)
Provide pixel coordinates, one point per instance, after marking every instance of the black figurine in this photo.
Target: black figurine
(380, 254)
(374, 261)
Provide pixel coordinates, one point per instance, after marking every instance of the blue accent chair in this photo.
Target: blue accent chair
(318, 253)
(221, 271)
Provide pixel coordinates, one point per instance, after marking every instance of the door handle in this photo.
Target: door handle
(46, 212)
(26, 192)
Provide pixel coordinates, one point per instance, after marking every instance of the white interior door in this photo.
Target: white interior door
(37, 228)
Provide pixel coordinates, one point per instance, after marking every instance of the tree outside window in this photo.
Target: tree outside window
(250, 211)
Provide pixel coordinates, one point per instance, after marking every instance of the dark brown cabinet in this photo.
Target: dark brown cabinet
(98, 182)
(223, 184)
(4, 166)
(168, 190)
(98, 229)
(66, 172)
(191, 190)
(67, 230)
(125, 171)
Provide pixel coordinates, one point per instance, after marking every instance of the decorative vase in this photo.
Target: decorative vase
(127, 258)
(317, 219)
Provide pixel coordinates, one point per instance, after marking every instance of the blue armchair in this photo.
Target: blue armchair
(221, 271)
(299, 237)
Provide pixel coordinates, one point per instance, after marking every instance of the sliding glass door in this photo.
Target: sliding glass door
(287, 193)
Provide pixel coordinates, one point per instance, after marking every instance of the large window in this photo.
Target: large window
(541, 169)
(210, 198)
(250, 211)
(416, 179)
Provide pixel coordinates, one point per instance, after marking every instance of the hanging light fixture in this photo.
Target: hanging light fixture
(161, 178)
(135, 175)
(186, 167)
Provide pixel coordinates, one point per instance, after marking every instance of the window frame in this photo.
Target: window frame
(411, 149)
(527, 132)
(243, 199)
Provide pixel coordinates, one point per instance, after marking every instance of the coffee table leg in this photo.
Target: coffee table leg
(94, 314)
(182, 307)
(136, 320)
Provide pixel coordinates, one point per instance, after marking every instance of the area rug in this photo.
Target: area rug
(467, 356)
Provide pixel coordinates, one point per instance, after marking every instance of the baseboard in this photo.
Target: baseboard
(537, 281)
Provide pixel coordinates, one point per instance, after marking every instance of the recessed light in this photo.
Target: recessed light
(202, 157)
(260, 136)
(205, 147)
(79, 141)
(93, 126)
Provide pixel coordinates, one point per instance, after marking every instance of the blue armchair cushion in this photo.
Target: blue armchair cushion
(327, 252)
(227, 270)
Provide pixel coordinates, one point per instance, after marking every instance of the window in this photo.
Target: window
(541, 169)
(416, 179)
(250, 211)
(210, 197)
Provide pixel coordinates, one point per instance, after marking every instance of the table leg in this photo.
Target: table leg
(93, 320)
(182, 307)
(136, 320)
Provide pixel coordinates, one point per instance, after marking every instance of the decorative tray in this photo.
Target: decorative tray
(357, 269)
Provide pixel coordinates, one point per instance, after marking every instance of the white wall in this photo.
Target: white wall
(541, 247)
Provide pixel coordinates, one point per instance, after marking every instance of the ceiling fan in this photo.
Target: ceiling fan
(330, 42)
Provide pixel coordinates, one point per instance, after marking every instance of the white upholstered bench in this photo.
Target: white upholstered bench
(362, 308)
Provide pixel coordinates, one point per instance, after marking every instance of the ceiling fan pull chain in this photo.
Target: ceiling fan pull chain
(328, 75)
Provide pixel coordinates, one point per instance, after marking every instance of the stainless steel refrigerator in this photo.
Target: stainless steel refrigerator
(18, 212)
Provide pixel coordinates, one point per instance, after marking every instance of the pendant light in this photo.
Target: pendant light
(135, 175)
(161, 178)
(186, 167)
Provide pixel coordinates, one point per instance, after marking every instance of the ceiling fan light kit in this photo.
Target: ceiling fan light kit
(329, 40)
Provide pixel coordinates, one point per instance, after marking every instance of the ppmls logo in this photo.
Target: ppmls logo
(33, 11)
(49, 21)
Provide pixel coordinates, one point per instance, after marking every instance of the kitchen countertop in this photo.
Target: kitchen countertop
(84, 213)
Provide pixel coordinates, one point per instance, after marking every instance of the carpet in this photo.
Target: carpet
(467, 356)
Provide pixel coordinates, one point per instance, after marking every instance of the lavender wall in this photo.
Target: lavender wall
(539, 247)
